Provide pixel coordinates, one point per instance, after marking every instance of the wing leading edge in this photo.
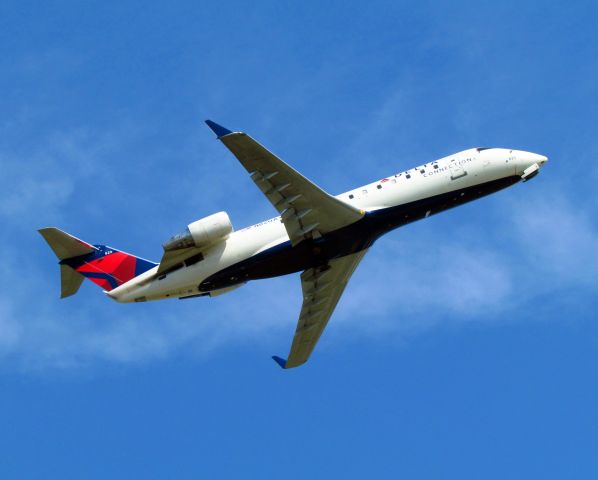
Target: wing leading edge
(322, 289)
(306, 210)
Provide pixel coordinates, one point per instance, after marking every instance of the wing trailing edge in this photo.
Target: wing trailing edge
(322, 289)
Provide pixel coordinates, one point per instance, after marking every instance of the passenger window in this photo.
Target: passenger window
(422, 171)
(379, 187)
(408, 176)
(435, 166)
(364, 191)
(351, 196)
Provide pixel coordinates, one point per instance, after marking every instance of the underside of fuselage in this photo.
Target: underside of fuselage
(284, 258)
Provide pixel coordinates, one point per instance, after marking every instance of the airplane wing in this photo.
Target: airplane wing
(306, 210)
(322, 289)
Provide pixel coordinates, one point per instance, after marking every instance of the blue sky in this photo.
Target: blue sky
(465, 345)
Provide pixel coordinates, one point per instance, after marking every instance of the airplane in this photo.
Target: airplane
(321, 235)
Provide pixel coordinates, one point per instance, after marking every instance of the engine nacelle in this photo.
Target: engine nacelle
(202, 233)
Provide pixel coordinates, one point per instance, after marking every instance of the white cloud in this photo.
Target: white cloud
(409, 288)
(558, 239)
(40, 179)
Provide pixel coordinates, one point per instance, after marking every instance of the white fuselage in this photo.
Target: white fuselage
(452, 173)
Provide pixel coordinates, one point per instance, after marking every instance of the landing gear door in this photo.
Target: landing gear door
(457, 171)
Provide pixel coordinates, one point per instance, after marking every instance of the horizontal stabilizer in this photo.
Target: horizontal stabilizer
(65, 245)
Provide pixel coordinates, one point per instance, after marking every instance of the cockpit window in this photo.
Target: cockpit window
(480, 149)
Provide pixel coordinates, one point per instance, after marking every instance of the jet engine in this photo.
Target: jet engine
(201, 233)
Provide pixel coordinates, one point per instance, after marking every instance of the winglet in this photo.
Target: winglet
(219, 130)
(281, 361)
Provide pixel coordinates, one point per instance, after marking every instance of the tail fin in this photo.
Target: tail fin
(103, 265)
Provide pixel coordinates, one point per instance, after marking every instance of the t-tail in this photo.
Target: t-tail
(103, 265)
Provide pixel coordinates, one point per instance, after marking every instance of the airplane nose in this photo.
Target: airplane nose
(525, 160)
(528, 164)
(529, 158)
(539, 159)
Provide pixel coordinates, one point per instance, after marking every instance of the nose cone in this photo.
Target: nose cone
(537, 158)
(528, 159)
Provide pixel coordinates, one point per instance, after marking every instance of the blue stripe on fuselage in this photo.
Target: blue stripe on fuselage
(283, 258)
